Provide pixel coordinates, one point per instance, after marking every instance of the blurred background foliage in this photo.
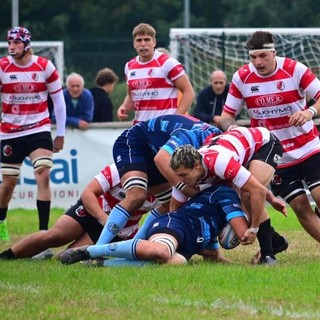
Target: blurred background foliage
(97, 34)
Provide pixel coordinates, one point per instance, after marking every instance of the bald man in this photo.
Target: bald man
(211, 99)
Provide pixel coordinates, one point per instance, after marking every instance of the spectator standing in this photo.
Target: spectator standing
(103, 108)
(153, 80)
(79, 102)
(211, 99)
(274, 90)
(25, 81)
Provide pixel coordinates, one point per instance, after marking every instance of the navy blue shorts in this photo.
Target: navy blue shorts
(132, 152)
(197, 224)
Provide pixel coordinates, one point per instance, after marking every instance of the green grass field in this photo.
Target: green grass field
(50, 290)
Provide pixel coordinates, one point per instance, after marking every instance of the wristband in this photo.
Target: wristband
(313, 110)
(254, 230)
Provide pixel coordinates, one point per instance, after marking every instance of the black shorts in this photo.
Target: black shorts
(17, 149)
(292, 181)
(270, 153)
(88, 223)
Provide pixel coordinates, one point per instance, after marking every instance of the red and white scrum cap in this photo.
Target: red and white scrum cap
(22, 34)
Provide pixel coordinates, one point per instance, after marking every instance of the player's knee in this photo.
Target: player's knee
(164, 248)
(53, 237)
(10, 170)
(42, 162)
(136, 190)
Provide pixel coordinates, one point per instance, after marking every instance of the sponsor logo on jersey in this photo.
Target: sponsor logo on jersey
(13, 77)
(288, 145)
(25, 87)
(141, 84)
(132, 73)
(270, 100)
(196, 205)
(145, 94)
(269, 113)
(21, 99)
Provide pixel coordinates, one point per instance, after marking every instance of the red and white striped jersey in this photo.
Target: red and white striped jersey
(271, 100)
(225, 156)
(151, 85)
(24, 93)
(109, 181)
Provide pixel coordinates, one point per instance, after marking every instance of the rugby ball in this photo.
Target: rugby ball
(227, 238)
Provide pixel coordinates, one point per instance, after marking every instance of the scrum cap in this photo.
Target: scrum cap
(22, 34)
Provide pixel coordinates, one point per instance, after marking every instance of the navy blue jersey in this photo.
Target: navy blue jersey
(197, 224)
(136, 147)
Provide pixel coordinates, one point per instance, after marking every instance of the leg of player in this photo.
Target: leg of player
(6, 189)
(142, 232)
(159, 248)
(65, 230)
(271, 242)
(135, 185)
(42, 165)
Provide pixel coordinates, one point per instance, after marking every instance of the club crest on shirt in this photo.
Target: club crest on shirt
(35, 77)
(280, 85)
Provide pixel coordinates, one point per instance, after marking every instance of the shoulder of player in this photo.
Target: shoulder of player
(4, 62)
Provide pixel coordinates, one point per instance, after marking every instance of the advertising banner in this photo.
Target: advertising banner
(84, 155)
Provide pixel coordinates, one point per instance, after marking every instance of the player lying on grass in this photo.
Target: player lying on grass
(142, 155)
(246, 158)
(175, 237)
(135, 154)
(82, 223)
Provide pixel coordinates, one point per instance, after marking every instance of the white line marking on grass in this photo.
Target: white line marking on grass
(241, 306)
(26, 288)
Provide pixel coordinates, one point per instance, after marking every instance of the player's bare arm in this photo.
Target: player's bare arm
(90, 201)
